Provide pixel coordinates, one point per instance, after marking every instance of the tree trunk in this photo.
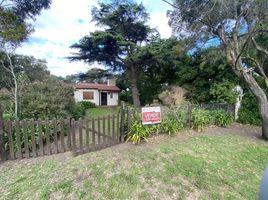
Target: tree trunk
(262, 101)
(254, 87)
(134, 87)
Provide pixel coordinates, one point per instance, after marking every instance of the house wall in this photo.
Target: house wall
(78, 96)
(112, 101)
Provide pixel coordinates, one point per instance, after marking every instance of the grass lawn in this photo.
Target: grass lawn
(100, 111)
(202, 166)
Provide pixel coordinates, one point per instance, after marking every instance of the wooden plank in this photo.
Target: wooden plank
(73, 125)
(80, 123)
(25, 136)
(109, 130)
(48, 138)
(10, 140)
(128, 119)
(103, 130)
(55, 136)
(99, 132)
(40, 138)
(93, 133)
(87, 134)
(113, 128)
(69, 133)
(33, 143)
(18, 139)
(122, 126)
(118, 128)
(62, 135)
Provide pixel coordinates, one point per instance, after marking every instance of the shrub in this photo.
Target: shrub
(222, 118)
(249, 112)
(175, 120)
(138, 132)
(87, 104)
(170, 125)
(80, 108)
(78, 111)
(200, 119)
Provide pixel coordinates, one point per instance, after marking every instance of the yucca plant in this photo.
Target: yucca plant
(138, 132)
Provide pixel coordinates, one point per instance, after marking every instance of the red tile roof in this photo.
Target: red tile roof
(102, 87)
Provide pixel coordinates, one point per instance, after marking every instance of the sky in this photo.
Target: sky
(67, 21)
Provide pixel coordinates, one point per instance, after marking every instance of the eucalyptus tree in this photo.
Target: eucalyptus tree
(237, 25)
(124, 31)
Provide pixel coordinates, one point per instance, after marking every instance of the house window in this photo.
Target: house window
(88, 95)
(111, 95)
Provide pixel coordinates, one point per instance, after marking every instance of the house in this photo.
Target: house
(99, 94)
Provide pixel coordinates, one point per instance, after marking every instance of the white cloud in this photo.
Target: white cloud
(65, 23)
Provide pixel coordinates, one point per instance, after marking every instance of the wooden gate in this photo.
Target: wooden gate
(95, 133)
(28, 138)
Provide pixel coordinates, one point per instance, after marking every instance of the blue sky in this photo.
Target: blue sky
(66, 22)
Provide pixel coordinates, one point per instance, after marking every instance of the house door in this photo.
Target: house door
(104, 99)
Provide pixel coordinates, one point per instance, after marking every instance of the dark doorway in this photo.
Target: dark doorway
(103, 99)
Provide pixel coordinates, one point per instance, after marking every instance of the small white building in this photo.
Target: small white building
(99, 94)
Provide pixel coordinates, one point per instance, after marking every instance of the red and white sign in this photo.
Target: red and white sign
(151, 115)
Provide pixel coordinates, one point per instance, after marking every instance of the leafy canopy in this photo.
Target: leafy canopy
(125, 30)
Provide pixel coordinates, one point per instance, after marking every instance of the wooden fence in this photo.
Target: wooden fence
(28, 138)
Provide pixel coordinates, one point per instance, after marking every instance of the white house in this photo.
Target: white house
(99, 94)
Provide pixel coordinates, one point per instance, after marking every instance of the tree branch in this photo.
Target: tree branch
(258, 47)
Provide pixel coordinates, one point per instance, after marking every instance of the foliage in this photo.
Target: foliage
(125, 29)
(138, 132)
(14, 20)
(238, 27)
(78, 111)
(80, 108)
(174, 121)
(200, 119)
(222, 118)
(49, 99)
(87, 104)
(249, 111)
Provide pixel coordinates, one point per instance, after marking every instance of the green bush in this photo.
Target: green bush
(79, 111)
(138, 132)
(87, 104)
(200, 119)
(175, 120)
(249, 112)
(222, 118)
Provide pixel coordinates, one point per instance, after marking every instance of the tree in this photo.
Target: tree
(236, 24)
(94, 75)
(125, 31)
(15, 29)
(47, 100)
(26, 70)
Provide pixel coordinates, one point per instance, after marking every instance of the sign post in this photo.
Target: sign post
(151, 115)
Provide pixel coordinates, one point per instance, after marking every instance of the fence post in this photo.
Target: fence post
(3, 153)
(73, 143)
(128, 119)
(189, 115)
(122, 127)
